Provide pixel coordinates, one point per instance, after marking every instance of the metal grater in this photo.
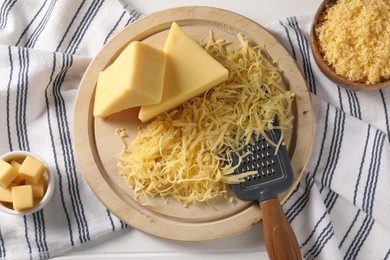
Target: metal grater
(273, 175)
(274, 171)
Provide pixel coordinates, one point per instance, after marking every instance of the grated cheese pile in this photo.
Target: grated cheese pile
(183, 153)
(354, 39)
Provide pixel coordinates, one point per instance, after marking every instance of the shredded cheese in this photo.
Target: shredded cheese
(186, 153)
(354, 39)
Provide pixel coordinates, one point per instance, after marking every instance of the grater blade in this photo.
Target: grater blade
(273, 174)
(273, 169)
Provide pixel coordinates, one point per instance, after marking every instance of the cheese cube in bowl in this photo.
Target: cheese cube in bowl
(30, 185)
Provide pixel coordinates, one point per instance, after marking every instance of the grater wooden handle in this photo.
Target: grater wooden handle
(279, 237)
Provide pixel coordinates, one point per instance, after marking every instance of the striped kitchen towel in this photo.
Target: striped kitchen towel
(341, 207)
(339, 210)
(45, 47)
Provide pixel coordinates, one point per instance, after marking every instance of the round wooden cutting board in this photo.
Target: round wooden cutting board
(97, 144)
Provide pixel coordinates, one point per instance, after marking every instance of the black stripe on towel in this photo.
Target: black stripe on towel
(26, 234)
(43, 239)
(36, 232)
(40, 234)
(60, 186)
(354, 105)
(134, 15)
(115, 26)
(111, 220)
(350, 228)
(305, 52)
(124, 225)
(326, 234)
(361, 165)
(41, 26)
(4, 11)
(70, 25)
(340, 98)
(20, 120)
(28, 26)
(359, 239)
(8, 98)
(330, 200)
(373, 173)
(21, 107)
(301, 202)
(314, 229)
(292, 196)
(21, 99)
(387, 255)
(334, 150)
(289, 40)
(66, 146)
(3, 253)
(83, 26)
(386, 112)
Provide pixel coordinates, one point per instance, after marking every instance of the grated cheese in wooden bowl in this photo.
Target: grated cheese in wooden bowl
(353, 37)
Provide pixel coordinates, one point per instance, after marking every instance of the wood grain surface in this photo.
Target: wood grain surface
(97, 145)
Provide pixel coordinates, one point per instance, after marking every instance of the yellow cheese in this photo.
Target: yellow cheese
(17, 180)
(190, 71)
(7, 173)
(354, 39)
(15, 164)
(5, 194)
(186, 153)
(22, 197)
(31, 169)
(38, 188)
(134, 79)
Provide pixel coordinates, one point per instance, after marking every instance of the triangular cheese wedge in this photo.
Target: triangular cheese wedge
(190, 71)
(134, 79)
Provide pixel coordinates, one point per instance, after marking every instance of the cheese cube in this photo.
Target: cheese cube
(190, 71)
(17, 180)
(22, 197)
(15, 164)
(38, 188)
(31, 169)
(5, 194)
(135, 78)
(7, 173)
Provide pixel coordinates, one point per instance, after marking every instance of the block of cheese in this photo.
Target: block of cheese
(5, 194)
(17, 180)
(134, 79)
(22, 197)
(7, 173)
(190, 71)
(38, 188)
(31, 169)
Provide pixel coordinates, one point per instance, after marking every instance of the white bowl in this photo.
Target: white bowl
(50, 180)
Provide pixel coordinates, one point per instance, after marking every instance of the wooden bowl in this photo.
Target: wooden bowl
(327, 70)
